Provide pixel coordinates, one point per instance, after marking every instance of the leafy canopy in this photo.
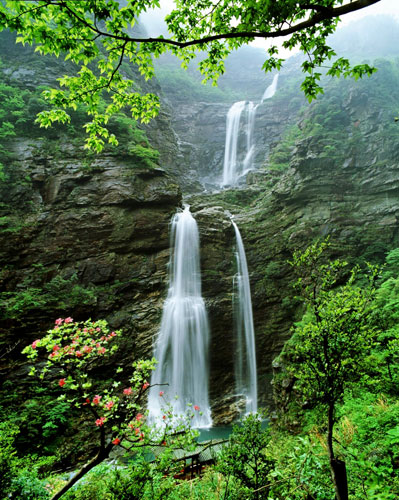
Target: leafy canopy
(99, 35)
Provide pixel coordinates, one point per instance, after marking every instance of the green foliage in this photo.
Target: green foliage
(19, 477)
(245, 457)
(146, 155)
(330, 348)
(97, 37)
(58, 294)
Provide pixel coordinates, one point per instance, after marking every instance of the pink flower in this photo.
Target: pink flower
(61, 382)
(87, 349)
(68, 320)
(34, 344)
(109, 405)
(196, 408)
(100, 421)
(79, 354)
(116, 441)
(137, 431)
(96, 399)
(56, 348)
(145, 385)
(127, 391)
(139, 416)
(59, 321)
(113, 334)
(102, 350)
(98, 329)
(161, 393)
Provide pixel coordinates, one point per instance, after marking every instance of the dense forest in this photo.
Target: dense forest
(88, 231)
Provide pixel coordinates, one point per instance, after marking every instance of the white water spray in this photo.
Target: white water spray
(271, 89)
(182, 345)
(234, 167)
(246, 357)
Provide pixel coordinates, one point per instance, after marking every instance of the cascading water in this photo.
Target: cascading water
(246, 381)
(233, 166)
(182, 345)
(271, 89)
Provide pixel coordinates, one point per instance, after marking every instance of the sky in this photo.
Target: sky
(153, 20)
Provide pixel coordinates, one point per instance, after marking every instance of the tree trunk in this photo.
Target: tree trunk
(100, 457)
(337, 467)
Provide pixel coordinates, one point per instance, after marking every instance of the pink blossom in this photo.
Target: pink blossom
(96, 399)
(56, 348)
(109, 405)
(100, 421)
(127, 391)
(161, 393)
(79, 354)
(61, 382)
(145, 385)
(87, 349)
(68, 320)
(113, 334)
(98, 329)
(196, 408)
(59, 321)
(102, 350)
(116, 441)
(139, 416)
(34, 344)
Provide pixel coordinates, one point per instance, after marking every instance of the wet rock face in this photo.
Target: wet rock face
(103, 228)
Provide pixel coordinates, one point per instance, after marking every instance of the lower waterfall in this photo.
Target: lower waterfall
(182, 345)
(246, 381)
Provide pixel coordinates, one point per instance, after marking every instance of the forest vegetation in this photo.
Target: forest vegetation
(77, 429)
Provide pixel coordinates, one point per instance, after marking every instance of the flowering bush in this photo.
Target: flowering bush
(72, 349)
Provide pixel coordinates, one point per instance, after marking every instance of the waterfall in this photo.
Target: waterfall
(246, 358)
(271, 89)
(233, 167)
(182, 345)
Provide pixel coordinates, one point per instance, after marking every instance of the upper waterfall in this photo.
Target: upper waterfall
(271, 89)
(236, 165)
(182, 345)
(246, 379)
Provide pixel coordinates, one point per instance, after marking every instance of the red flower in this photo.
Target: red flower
(68, 320)
(113, 334)
(100, 421)
(61, 382)
(145, 385)
(139, 416)
(161, 393)
(56, 348)
(196, 408)
(34, 344)
(101, 351)
(127, 391)
(79, 354)
(116, 441)
(164, 417)
(163, 443)
(59, 321)
(109, 405)
(96, 399)
(137, 431)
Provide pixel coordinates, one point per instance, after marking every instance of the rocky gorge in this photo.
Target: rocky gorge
(89, 236)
